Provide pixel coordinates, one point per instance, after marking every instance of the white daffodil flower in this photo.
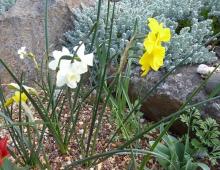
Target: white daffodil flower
(86, 59)
(57, 56)
(70, 71)
(69, 74)
(22, 52)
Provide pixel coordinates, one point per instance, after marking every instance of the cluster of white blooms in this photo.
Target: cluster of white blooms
(69, 66)
(69, 70)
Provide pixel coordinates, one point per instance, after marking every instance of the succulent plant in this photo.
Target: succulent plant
(183, 17)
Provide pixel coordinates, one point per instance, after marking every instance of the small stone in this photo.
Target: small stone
(114, 145)
(67, 158)
(205, 70)
(81, 131)
(80, 123)
(68, 162)
(142, 120)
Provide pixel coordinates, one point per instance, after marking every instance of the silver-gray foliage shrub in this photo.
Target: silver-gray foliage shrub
(5, 5)
(189, 29)
(214, 5)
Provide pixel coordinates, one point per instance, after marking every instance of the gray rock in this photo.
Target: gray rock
(217, 51)
(23, 25)
(213, 110)
(171, 94)
(213, 82)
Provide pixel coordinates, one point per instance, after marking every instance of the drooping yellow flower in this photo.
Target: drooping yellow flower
(18, 97)
(155, 52)
(8, 102)
(21, 98)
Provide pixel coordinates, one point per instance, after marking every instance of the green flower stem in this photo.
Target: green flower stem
(101, 83)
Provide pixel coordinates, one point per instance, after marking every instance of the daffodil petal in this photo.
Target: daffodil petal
(79, 67)
(146, 70)
(21, 56)
(64, 64)
(151, 37)
(143, 59)
(158, 55)
(19, 97)
(85, 58)
(165, 35)
(8, 102)
(81, 51)
(72, 85)
(153, 25)
(57, 55)
(15, 86)
(151, 41)
(88, 59)
(156, 64)
(159, 51)
(61, 78)
(149, 46)
(53, 64)
(21, 50)
(145, 62)
(66, 52)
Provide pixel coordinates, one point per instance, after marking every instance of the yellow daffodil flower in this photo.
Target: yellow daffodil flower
(163, 34)
(155, 52)
(21, 98)
(18, 97)
(153, 60)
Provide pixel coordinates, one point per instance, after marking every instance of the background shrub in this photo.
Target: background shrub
(5, 5)
(184, 17)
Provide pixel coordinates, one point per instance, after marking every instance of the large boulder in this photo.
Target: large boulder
(217, 51)
(23, 25)
(171, 94)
